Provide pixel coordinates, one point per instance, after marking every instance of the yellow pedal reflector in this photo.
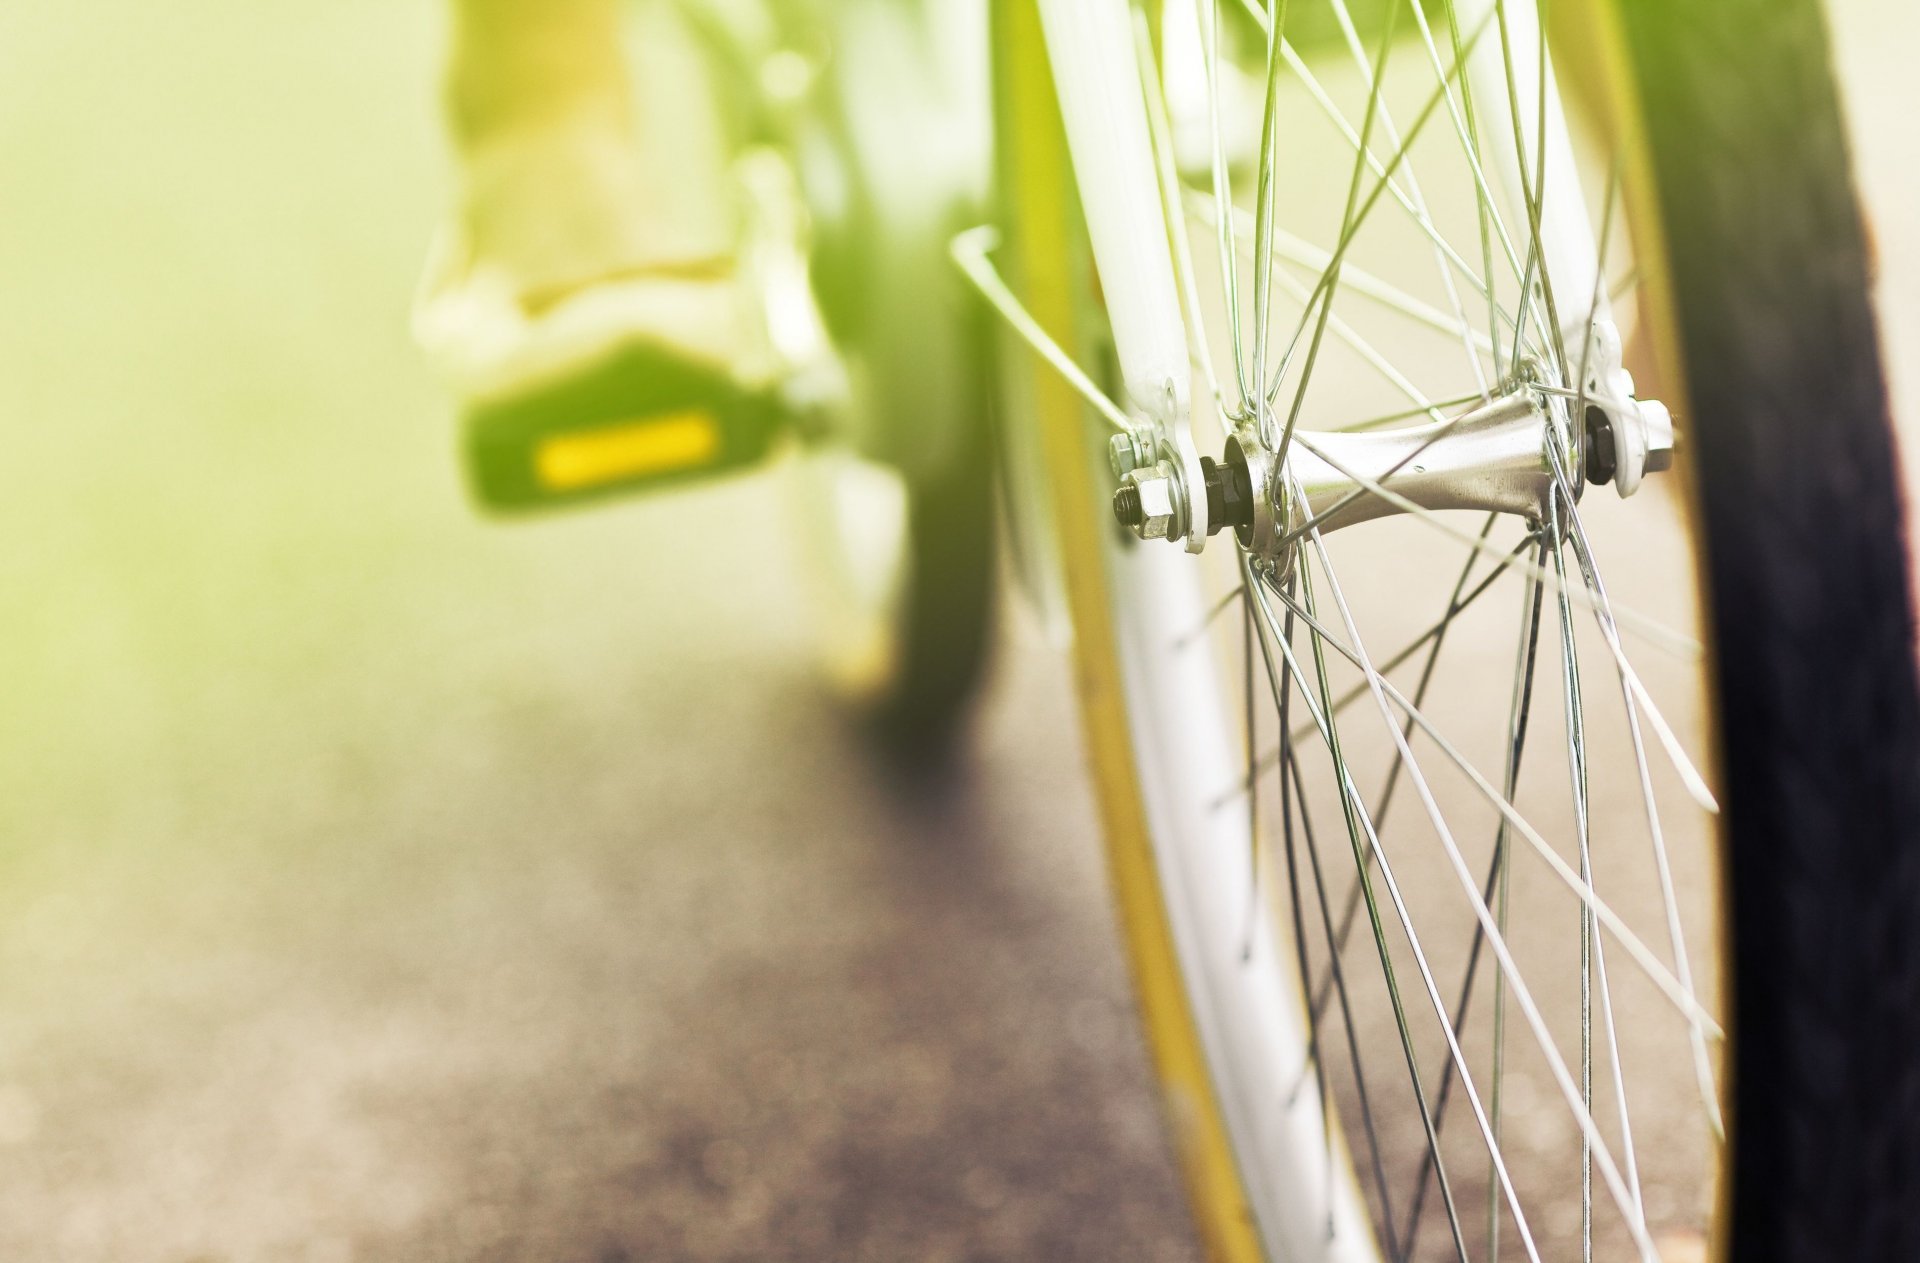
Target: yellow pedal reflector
(627, 449)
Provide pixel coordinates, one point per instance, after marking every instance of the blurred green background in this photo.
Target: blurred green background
(377, 883)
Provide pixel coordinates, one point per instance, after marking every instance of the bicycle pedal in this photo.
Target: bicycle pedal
(637, 421)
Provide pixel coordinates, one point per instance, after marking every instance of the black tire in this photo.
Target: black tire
(1806, 567)
(948, 604)
(920, 346)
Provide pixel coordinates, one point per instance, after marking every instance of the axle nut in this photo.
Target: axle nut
(1149, 501)
(1126, 453)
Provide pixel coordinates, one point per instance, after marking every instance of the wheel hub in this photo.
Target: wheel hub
(1499, 456)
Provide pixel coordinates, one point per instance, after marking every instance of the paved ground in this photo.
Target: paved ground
(376, 885)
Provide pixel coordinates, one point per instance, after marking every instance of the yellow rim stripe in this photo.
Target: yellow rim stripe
(1659, 309)
(1038, 196)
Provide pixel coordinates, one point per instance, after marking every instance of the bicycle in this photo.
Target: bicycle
(1150, 399)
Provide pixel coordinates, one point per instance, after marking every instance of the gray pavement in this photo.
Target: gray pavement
(376, 885)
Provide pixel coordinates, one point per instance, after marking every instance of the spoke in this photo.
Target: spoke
(1532, 192)
(1383, 689)
(1366, 351)
(1405, 414)
(1251, 741)
(1292, 777)
(1359, 823)
(970, 251)
(1543, 71)
(1290, 791)
(1608, 616)
(1518, 352)
(1487, 211)
(1632, 692)
(1518, 711)
(1263, 205)
(1352, 38)
(1424, 1181)
(1160, 133)
(1427, 670)
(1522, 996)
(1223, 196)
(1592, 948)
(1577, 775)
(1577, 428)
(1349, 225)
(1454, 606)
(1311, 258)
(1313, 1063)
(1563, 392)
(1416, 210)
(1464, 127)
(1219, 607)
(1330, 279)
(1271, 759)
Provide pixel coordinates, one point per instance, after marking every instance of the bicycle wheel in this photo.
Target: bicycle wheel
(898, 507)
(1428, 949)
